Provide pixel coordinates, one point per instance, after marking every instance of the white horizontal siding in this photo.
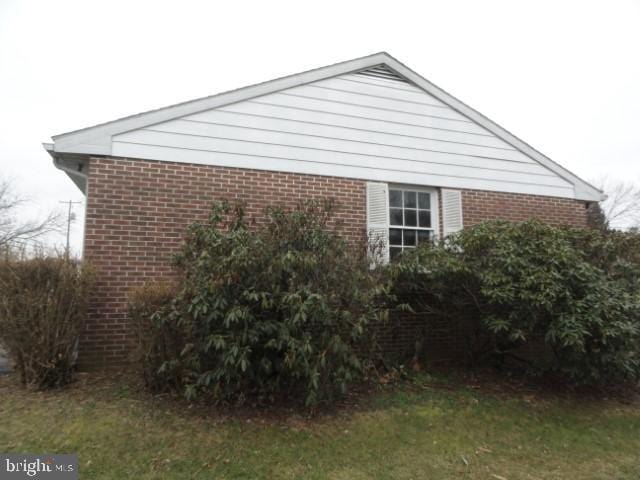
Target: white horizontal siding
(241, 127)
(368, 112)
(375, 125)
(309, 153)
(374, 101)
(180, 131)
(221, 117)
(352, 126)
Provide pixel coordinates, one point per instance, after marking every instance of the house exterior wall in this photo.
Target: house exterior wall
(353, 126)
(138, 210)
(479, 206)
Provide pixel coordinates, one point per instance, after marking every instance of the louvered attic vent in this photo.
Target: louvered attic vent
(382, 71)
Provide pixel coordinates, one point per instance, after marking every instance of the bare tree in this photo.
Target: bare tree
(621, 209)
(15, 230)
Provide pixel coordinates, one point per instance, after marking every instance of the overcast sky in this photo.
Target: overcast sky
(562, 75)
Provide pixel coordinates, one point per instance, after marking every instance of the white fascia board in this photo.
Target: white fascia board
(96, 140)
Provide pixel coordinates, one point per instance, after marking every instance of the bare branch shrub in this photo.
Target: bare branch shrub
(16, 231)
(621, 209)
(43, 304)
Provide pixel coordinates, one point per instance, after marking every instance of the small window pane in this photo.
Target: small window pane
(424, 200)
(394, 252)
(409, 199)
(395, 198)
(395, 236)
(425, 218)
(423, 236)
(409, 238)
(395, 216)
(410, 218)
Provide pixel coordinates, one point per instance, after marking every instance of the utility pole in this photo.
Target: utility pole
(70, 217)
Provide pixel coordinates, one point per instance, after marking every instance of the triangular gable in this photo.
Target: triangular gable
(375, 72)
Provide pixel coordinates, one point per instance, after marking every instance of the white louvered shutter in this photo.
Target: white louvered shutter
(378, 222)
(451, 211)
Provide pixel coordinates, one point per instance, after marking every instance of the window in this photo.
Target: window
(412, 218)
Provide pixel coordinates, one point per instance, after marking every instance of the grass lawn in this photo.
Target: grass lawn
(418, 431)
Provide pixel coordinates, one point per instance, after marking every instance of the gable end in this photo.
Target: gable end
(371, 118)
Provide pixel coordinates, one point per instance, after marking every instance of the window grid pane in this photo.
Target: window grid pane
(424, 218)
(395, 198)
(410, 218)
(424, 200)
(395, 216)
(410, 199)
(408, 238)
(410, 215)
(395, 237)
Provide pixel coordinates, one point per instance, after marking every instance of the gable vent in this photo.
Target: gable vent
(382, 71)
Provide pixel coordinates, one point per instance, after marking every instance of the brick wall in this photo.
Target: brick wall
(138, 210)
(478, 206)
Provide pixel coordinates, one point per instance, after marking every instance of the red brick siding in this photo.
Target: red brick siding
(478, 206)
(138, 210)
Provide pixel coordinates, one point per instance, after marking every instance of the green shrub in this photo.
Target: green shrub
(513, 282)
(42, 311)
(275, 310)
(159, 337)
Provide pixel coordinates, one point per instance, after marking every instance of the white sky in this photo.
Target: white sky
(562, 75)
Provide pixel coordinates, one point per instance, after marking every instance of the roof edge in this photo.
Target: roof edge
(583, 189)
(367, 61)
(97, 139)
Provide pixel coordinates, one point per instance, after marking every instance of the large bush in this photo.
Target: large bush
(510, 283)
(42, 311)
(275, 310)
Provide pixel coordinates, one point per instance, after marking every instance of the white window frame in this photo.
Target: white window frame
(435, 211)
